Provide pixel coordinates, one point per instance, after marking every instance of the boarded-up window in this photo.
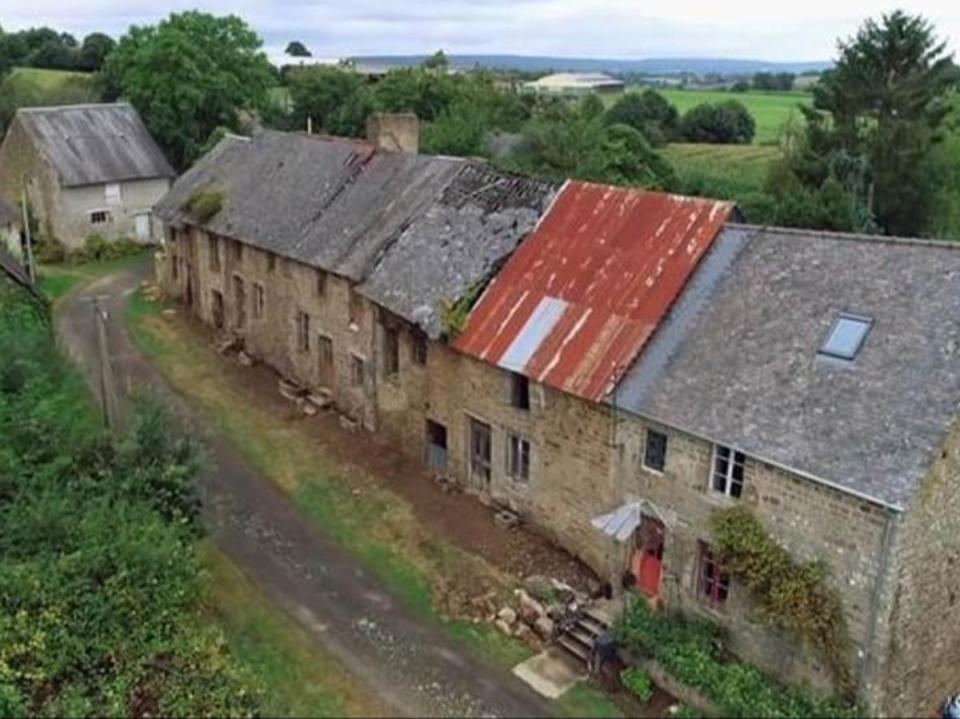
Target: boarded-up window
(325, 361)
(303, 331)
(391, 351)
(112, 193)
(518, 458)
(480, 451)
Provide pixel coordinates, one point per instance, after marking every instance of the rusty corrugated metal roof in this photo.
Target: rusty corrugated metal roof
(575, 304)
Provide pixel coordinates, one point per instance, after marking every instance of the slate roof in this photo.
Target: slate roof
(579, 299)
(95, 144)
(737, 361)
(8, 215)
(413, 231)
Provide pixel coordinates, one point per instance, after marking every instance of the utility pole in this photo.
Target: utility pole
(108, 389)
(31, 267)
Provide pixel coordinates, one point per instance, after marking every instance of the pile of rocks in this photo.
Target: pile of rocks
(537, 608)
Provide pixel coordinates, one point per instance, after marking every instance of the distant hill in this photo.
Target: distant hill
(650, 66)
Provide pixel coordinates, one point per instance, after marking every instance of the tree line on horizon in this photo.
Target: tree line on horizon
(872, 154)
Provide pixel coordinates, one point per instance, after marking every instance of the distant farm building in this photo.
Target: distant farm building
(88, 170)
(574, 84)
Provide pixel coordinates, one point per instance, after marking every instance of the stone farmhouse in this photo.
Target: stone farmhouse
(614, 365)
(88, 170)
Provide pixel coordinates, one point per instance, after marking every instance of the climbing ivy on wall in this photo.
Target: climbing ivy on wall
(793, 595)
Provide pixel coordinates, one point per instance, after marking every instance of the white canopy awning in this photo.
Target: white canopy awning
(620, 523)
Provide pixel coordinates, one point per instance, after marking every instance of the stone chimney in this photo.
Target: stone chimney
(394, 132)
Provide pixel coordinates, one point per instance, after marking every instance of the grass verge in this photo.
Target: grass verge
(376, 525)
(56, 281)
(296, 679)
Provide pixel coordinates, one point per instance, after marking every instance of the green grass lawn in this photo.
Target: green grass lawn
(770, 110)
(295, 678)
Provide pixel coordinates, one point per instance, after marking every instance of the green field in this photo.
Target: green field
(725, 171)
(770, 110)
(50, 87)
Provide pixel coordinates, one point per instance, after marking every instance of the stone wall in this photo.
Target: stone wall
(918, 661)
(273, 335)
(810, 520)
(19, 159)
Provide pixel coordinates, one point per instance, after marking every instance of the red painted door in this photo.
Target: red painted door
(647, 564)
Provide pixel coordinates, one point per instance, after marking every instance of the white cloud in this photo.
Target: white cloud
(600, 28)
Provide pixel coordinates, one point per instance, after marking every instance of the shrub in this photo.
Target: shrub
(204, 204)
(691, 650)
(637, 681)
(97, 248)
(726, 122)
(794, 596)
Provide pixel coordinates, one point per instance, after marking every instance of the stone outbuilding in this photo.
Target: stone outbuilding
(88, 170)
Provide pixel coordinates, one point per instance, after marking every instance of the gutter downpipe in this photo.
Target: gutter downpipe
(879, 588)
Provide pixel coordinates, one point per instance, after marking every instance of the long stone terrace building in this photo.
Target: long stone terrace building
(615, 365)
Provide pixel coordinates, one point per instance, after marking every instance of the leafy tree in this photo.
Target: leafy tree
(93, 53)
(726, 122)
(768, 81)
(877, 122)
(649, 112)
(188, 76)
(426, 94)
(336, 100)
(437, 61)
(563, 142)
(295, 48)
(460, 131)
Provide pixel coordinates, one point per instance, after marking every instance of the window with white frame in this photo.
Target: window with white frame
(727, 477)
(112, 194)
(518, 458)
(655, 451)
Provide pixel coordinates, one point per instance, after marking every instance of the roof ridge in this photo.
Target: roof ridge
(845, 236)
(79, 106)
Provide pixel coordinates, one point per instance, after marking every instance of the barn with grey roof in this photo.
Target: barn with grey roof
(88, 170)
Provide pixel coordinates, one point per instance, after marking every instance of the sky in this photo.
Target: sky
(768, 30)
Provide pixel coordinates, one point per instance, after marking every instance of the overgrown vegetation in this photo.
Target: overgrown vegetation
(637, 683)
(97, 248)
(99, 582)
(691, 651)
(204, 204)
(792, 595)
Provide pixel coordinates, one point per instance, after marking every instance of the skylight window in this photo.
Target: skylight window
(846, 337)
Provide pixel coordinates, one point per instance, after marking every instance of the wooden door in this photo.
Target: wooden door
(647, 561)
(480, 455)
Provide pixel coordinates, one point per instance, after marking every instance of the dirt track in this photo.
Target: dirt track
(407, 663)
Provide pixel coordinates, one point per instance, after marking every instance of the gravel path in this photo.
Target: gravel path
(408, 663)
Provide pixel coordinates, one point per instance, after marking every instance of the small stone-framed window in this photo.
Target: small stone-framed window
(655, 451)
(357, 370)
(113, 193)
(303, 331)
(355, 308)
(214, 244)
(259, 300)
(727, 476)
(391, 351)
(99, 217)
(713, 582)
(321, 285)
(519, 391)
(418, 347)
(271, 262)
(518, 458)
(238, 252)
